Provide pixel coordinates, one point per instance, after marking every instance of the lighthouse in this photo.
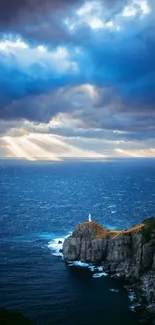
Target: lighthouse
(89, 218)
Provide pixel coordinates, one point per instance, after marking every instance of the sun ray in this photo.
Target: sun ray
(16, 149)
(46, 147)
(50, 143)
(130, 153)
(37, 151)
(64, 149)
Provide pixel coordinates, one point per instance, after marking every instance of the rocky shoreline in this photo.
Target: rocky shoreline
(128, 254)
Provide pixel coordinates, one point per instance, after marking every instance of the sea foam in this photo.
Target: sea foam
(96, 270)
(114, 290)
(79, 264)
(99, 275)
(56, 245)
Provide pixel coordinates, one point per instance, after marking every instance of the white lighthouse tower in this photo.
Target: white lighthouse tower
(89, 218)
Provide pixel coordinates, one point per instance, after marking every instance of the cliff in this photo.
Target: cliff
(128, 253)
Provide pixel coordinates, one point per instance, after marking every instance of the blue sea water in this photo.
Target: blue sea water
(40, 204)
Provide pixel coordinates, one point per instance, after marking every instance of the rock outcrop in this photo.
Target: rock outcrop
(126, 253)
(8, 317)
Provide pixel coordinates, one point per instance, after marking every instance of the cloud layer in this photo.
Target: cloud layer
(79, 70)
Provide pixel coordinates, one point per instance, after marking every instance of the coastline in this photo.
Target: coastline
(124, 254)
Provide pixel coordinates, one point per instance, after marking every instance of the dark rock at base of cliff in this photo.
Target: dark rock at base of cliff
(148, 318)
(8, 317)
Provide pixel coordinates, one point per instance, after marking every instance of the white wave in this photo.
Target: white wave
(133, 299)
(114, 290)
(91, 268)
(79, 264)
(113, 212)
(56, 246)
(99, 268)
(132, 308)
(99, 275)
(132, 295)
(112, 206)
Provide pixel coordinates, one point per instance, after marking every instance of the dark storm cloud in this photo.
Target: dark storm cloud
(43, 20)
(12, 11)
(110, 122)
(36, 21)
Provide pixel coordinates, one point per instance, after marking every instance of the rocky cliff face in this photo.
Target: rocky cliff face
(129, 253)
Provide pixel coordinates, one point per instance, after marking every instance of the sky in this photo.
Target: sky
(77, 79)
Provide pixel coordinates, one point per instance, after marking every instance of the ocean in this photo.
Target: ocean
(40, 204)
